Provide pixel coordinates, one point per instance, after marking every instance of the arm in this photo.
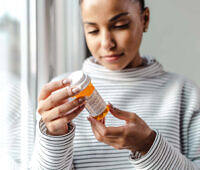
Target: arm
(53, 152)
(54, 139)
(162, 154)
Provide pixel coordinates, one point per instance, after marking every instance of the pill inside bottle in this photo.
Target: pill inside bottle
(95, 104)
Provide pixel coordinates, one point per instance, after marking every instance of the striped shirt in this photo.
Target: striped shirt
(167, 102)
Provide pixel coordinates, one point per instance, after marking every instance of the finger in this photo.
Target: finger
(112, 141)
(63, 101)
(70, 116)
(97, 125)
(123, 115)
(96, 133)
(102, 121)
(106, 131)
(54, 99)
(59, 126)
(51, 87)
(59, 111)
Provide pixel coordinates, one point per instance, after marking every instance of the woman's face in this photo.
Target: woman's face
(113, 31)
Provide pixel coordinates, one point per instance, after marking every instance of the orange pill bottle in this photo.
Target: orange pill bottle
(95, 104)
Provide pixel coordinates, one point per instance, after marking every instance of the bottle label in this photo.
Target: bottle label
(95, 104)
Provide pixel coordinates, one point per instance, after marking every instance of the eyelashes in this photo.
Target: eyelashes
(93, 32)
(120, 27)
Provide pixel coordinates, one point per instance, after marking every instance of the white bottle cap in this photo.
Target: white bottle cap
(79, 79)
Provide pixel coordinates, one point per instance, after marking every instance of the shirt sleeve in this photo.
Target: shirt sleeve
(162, 155)
(53, 152)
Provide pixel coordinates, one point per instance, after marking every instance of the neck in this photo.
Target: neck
(136, 62)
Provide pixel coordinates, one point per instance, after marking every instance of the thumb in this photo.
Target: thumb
(120, 114)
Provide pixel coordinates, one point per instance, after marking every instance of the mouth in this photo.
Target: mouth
(113, 57)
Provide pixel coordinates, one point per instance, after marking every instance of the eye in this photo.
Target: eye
(93, 32)
(118, 26)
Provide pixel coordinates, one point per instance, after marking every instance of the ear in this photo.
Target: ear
(145, 19)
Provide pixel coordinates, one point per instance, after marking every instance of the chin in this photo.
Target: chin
(114, 67)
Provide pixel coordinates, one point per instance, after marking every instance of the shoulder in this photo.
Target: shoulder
(190, 91)
(186, 82)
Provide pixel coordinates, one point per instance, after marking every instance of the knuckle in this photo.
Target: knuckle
(45, 118)
(39, 110)
(52, 101)
(58, 110)
(60, 83)
(133, 117)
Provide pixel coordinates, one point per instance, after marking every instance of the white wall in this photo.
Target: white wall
(173, 37)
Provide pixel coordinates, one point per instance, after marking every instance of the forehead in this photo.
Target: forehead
(104, 9)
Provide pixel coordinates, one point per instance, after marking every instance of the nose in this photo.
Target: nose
(108, 42)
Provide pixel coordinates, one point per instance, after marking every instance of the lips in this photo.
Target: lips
(113, 57)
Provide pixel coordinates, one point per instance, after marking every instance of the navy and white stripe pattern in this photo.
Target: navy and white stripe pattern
(168, 103)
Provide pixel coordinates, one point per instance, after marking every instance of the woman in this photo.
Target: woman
(154, 124)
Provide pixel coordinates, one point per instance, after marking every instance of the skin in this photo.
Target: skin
(104, 35)
(55, 109)
(109, 36)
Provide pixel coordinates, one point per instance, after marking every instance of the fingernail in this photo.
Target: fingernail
(76, 90)
(112, 108)
(110, 105)
(66, 81)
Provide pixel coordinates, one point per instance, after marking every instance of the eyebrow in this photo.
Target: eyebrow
(118, 16)
(110, 20)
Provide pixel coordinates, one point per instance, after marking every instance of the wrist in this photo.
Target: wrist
(64, 131)
(148, 143)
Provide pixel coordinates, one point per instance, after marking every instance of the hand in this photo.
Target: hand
(135, 135)
(55, 109)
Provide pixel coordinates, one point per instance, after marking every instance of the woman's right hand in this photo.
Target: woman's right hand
(55, 109)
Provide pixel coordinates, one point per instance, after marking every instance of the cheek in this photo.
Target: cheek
(130, 40)
(92, 44)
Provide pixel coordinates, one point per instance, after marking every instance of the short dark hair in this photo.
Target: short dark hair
(142, 3)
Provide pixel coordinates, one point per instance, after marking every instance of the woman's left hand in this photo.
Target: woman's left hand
(135, 135)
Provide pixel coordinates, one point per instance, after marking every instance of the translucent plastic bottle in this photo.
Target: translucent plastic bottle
(95, 105)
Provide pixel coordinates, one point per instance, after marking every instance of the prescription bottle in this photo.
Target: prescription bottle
(95, 105)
